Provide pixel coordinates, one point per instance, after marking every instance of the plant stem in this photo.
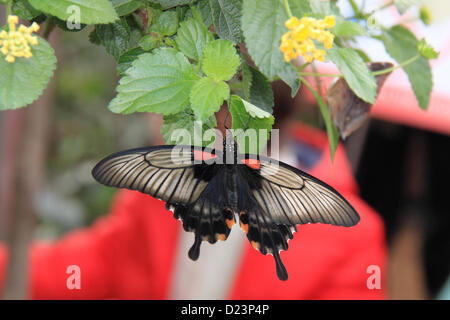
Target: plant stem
(375, 73)
(8, 8)
(287, 8)
(401, 65)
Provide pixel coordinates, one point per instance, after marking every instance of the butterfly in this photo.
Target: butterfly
(210, 190)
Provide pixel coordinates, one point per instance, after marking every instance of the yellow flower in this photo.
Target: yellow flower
(16, 42)
(298, 41)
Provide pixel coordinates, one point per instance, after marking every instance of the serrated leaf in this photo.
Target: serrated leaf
(192, 36)
(401, 44)
(204, 8)
(115, 37)
(263, 25)
(172, 134)
(148, 42)
(23, 81)
(349, 29)
(245, 115)
(207, 95)
(91, 11)
(166, 4)
(126, 59)
(227, 19)
(165, 24)
(124, 7)
(159, 82)
(355, 72)
(25, 10)
(257, 89)
(220, 60)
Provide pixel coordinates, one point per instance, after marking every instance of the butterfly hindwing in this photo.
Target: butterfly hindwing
(276, 197)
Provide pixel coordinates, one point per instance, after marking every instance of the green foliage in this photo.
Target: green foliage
(355, 72)
(184, 59)
(125, 7)
(349, 29)
(207, 96)
(226, 15)
(257, 89)
(401, 44)
(263, 26)
(185, 119)
(91, 11)
(220, 60)
(159, 82)
(115, 37)
(23, 81)
(25, 10)
(192, 37)
(248, 116)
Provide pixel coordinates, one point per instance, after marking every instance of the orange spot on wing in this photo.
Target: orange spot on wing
(221, 237)
(244, 227)
(255, 245)
(230, 222)
(252, 163)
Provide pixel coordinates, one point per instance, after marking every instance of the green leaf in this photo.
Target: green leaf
(207, 95)
(401, 44)
(172, 134)
(126, 59)
(205, 11)
(124, 7)
(91, 11)
(192, 37)
(332, 132)
(166, 4)
(245, 115)
(321, 9)
(220, 60)
(257, 88)
(404, 5)
(165, 24)
(25, 10)
(355, 72)
(23, 81)
(159, 82)
(363, 55)
(148, 42)
(263, 25)
(426, 50)
(227, 18)
(349, 29)
(115, 37)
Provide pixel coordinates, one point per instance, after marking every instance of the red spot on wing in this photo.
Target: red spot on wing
(203, 156)
(252, 163)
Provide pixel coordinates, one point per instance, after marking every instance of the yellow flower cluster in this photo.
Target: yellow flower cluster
(16, 42)
(299, 39)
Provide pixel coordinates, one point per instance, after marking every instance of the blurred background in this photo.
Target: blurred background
(401, 158)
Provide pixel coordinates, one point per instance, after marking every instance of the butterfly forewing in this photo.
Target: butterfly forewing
(164, 172)
(292, 197)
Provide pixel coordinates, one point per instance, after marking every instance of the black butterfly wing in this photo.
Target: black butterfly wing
(196, 191)
(277, 197)
(164, 172)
